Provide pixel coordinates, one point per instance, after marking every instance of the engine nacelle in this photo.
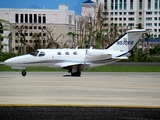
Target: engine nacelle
(93, 54)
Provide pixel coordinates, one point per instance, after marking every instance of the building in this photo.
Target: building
(132, 12)
(60, 22)
(4, 35)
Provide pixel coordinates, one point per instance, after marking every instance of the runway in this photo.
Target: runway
(101, 89)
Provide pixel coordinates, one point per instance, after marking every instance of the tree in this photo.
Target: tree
(20, 32)
(73, 35)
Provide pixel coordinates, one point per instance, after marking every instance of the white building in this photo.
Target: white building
(61, 20)
(132, 12)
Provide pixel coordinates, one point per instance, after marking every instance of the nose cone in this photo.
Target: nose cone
(10, 62)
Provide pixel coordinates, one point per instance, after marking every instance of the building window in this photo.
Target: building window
(26, 34)
(39, 27)
(124, 13)
(44, 27)
(156, 4)
(155, 24)
(30, 34)
(35, 18)
(125, 4)
(16, 34)
(140, 13)
(16, 48)
(155, 30)
(131, 19)
(149, 4)
(140, 4)
(130, 13)
(78, 25)
(120, 19)
(116, 13)
(124, 19)
(26, 18)
(16, 41)
(105, 4)
(21, 18)
(131, 24)
(16, 18)
(155, 18)
(26, 27)
(39, 18)
(148, 24)
(35, 27)
(124, 24)
(112, 4)
(111, 13)
(131, 4)
(140, 19)
(120, 13)
(44, 18)
(44, 34)
(116, 4)
(70, 19)
(30, 27)
(30, 18)
(148, 18)
(120, 4)
(148, 13)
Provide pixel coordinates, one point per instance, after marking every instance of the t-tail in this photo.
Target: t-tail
(126, 43)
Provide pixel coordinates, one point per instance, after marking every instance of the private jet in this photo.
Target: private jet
(76, 60)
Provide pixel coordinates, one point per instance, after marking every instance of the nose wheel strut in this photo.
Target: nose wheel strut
(24, 73)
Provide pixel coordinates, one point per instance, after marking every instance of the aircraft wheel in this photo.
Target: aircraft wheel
(78, 73)
(24, 73)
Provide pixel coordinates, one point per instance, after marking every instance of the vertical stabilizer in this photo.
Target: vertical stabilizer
(127, 41)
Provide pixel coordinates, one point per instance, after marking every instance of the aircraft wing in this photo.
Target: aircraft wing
(1, 63)
(70, 64)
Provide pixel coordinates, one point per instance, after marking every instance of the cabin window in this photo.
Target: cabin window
(34, 53)
(41, 54)
(59, 53)
(75, 53)
(67, 53)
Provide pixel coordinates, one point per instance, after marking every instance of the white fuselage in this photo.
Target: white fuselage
(58, 58)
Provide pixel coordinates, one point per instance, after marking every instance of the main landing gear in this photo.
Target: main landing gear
(78, 73)
(75, 71)
(24, 73)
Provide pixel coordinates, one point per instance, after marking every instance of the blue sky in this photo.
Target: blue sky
(49, 4)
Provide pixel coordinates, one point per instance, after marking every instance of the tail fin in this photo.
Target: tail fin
(127, 41)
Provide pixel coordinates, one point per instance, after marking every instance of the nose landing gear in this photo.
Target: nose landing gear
(24, 73)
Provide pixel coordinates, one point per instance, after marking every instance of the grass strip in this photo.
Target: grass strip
(97, 69)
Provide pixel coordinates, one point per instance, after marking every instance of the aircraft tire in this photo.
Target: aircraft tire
(78, 73)
(24, 73)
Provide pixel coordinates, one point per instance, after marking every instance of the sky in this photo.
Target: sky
(49, 4)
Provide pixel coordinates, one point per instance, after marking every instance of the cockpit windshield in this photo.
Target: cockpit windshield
(34, 53)
(37, 53)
